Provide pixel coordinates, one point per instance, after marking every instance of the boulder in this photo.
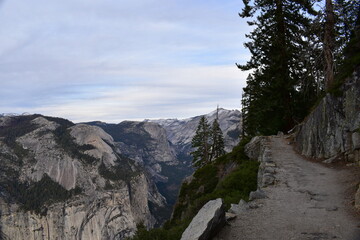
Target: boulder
(239, 208)
(209, 220)
(267, 180)
(243, 204)
(255, 147)
(235, 209)
(258, 194)
(230, 216)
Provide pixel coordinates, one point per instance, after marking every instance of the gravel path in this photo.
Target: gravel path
(306, 202)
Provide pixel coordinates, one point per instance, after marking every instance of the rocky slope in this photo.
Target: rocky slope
(64, 181)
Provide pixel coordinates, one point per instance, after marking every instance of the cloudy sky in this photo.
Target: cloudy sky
(113, 60)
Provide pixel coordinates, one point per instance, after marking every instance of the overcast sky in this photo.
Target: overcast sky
(112, 60)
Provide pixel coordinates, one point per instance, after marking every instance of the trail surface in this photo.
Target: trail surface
(306, 202)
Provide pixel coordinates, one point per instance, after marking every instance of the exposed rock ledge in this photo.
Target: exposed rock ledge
(209, 220)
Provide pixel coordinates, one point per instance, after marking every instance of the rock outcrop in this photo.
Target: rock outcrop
(65, 181)
(333, 128)
(208, 221)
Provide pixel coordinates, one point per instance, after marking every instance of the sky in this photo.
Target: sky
(115, 60)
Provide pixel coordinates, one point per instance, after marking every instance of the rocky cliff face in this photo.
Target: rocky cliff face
(147, 144)
(333, 128)
(163, 146)
(64, 181)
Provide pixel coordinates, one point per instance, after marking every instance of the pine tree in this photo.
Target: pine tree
(201, 143)
(217, 139)
(280, 89)
(346, 13)
(329, 43)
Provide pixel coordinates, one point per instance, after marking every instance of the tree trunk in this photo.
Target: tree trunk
(329, 42)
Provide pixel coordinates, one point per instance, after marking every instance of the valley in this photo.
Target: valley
(93, 180)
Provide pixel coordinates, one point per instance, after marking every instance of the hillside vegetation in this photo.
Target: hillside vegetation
(231, 177)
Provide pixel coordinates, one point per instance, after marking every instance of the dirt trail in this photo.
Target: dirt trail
(306, 202)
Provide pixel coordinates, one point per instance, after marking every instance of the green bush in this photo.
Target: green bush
(238, 184)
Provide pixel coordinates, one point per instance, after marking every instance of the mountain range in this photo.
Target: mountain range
(94, 180)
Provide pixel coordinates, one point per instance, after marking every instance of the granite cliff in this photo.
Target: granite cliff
(61, 180)
(332, 130)
(163, 147)
(65, 181)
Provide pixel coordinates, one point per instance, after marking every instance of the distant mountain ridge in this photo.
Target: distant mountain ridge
(68, 181)
(93, 180)
(163, 146)
(181, 132)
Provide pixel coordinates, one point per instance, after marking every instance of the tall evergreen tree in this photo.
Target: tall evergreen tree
(346, 14)
(329, 43)
(201, 143)
(208, 142)
(329, 34)
(217, 139)
(280, 89)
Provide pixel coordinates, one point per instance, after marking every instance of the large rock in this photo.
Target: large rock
(258, 194)
(255, 148)
(209, 220)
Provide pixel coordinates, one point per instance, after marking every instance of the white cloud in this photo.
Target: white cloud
(114, 60)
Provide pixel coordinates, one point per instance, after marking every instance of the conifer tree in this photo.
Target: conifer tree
(217, 147)
(329, 43)
(346, 14)
(279, 91)
(201, 143)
